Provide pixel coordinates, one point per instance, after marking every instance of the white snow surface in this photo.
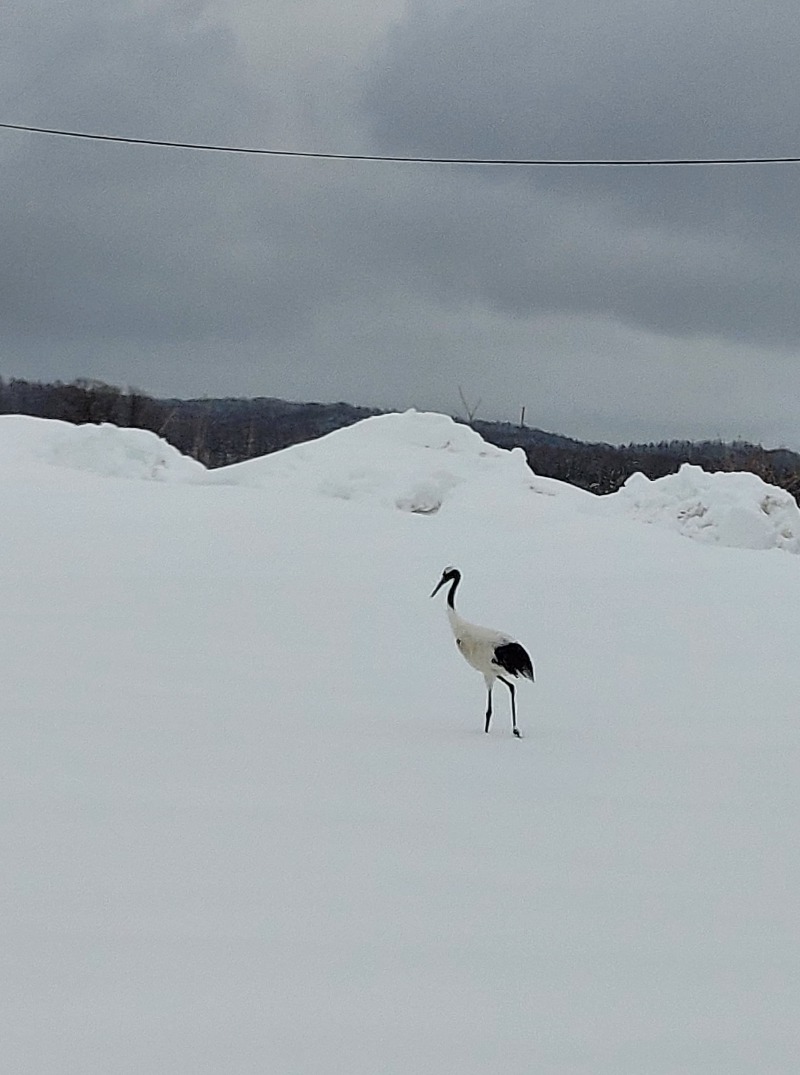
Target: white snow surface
(250, 819)
(735, 509)
(412, 461)
(104, 449)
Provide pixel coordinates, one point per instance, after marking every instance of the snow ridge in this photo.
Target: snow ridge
(732, 509)
(103, 449)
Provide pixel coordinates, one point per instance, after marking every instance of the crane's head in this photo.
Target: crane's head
(450, 574)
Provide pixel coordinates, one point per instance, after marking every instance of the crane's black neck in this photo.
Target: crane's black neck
(451, 593)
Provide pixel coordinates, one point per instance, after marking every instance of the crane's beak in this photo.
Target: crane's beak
(439, 585)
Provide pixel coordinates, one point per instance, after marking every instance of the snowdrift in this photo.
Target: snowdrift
(414, 461)
(733, 509)
(103, 449)
(417, 462)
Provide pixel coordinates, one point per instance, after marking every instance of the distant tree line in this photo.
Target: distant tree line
(603, 468)
(223, 431)
(215, 431)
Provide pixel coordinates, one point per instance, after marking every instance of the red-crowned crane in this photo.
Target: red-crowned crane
(492, 653)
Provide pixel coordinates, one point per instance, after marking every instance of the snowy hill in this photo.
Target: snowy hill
(103, 449)
(414, 461)
(737, 509)
(251, 820)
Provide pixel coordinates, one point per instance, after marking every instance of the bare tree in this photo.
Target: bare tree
(469, 409)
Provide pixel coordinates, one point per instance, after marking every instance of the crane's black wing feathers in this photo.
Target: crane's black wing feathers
(513, 658)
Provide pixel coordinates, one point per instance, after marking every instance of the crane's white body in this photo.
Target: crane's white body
(477, 645)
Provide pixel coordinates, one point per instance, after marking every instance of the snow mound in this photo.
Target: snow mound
(734, 509)
(414, 461)
(103, 449)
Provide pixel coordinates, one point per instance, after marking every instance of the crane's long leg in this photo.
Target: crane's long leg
(489, 706)
(510, 686)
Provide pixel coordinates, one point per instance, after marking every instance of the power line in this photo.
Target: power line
(666, 162)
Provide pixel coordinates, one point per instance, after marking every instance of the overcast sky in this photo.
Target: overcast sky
(613, 304)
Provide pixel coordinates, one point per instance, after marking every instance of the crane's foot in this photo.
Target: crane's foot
(517, 733)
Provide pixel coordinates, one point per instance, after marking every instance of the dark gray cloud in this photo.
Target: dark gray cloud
(676, 250)
(579, 78)
(612, 304)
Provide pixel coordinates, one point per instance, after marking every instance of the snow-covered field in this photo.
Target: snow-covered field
(250, 820)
